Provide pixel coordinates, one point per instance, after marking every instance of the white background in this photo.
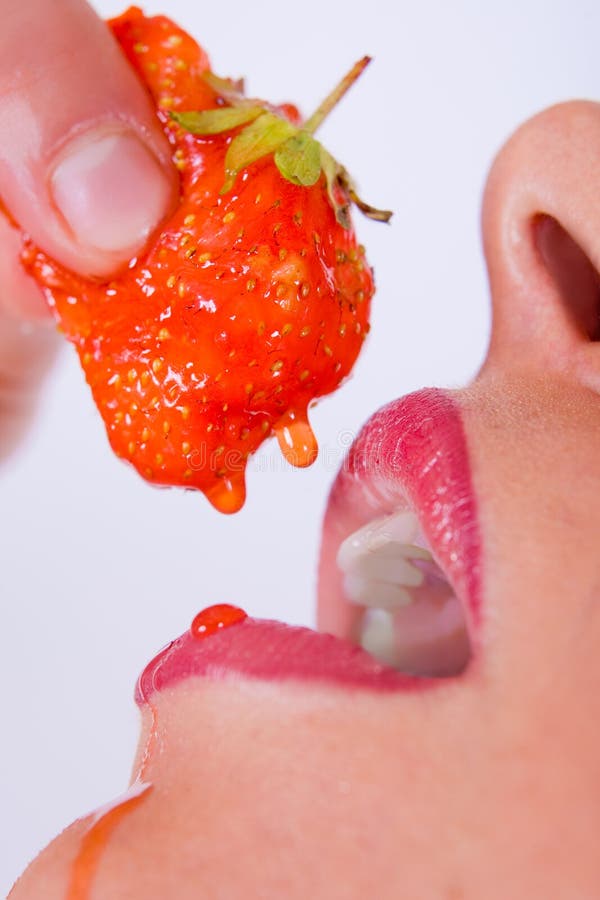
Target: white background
(98, 570)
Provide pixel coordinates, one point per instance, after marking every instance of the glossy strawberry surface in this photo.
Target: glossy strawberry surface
(246, 306)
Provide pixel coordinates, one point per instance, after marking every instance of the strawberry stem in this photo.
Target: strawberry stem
(336, 95)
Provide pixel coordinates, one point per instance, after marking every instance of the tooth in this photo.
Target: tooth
(378, 561)
(413, 551)
(377, 636)
(350, 549)
(380, 594)
(390, 566)
(402, 527)
(411, 618)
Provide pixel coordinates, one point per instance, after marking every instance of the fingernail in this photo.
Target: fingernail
(111, 190)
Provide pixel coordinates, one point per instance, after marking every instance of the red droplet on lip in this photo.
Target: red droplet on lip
(215, 618)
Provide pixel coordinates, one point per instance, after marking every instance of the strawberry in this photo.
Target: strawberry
(251, 302)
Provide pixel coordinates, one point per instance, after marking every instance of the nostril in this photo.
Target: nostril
(576, 278)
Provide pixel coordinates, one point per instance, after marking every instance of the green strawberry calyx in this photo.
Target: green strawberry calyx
(299, 157)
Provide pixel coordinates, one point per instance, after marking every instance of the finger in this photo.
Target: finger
(84, 166)
(28, 343)
(20, 297)
(27, 350)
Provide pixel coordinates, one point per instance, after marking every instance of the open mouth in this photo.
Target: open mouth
(412, 618)
(399, 592)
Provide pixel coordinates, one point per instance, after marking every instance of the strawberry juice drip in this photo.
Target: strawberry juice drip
(101, 828)
(103, 823)
(296, 438)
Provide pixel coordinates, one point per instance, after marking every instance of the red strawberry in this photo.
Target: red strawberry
(252, 301)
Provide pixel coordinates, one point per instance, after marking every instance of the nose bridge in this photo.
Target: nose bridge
(548, 174)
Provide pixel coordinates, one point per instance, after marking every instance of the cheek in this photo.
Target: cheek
(535, 469)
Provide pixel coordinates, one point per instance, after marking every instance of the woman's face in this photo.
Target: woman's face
(484, 783)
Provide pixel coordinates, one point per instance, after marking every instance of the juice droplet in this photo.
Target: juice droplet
(296, 438)
(229, 494)
(216, 618)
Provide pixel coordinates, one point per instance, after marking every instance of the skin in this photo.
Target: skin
(52, 99)
(489, 785)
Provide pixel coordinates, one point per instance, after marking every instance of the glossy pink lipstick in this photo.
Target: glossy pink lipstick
(411, 455)
(267, 650)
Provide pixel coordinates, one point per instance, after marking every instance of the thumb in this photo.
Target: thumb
(84, 165)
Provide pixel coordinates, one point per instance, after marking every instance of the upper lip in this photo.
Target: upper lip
(410, 454)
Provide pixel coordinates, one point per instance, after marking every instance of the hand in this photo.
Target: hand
(84, 169)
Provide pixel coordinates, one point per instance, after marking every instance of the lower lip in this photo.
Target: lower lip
(410, 454)
(270, 651)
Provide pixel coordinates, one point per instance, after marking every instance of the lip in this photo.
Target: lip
(270, 651)
(411, 454)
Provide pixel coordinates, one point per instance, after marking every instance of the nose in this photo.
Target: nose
(541, 232)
